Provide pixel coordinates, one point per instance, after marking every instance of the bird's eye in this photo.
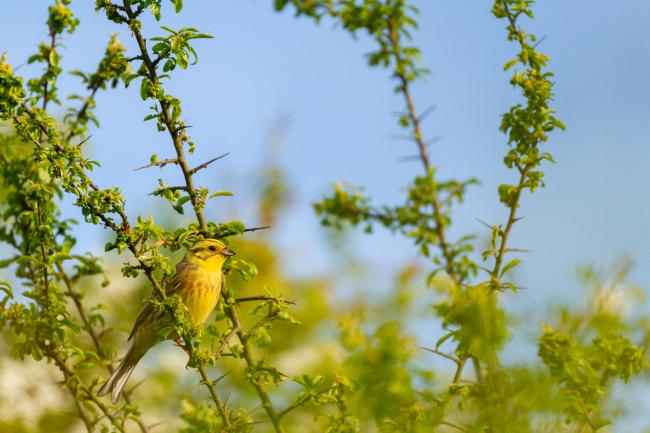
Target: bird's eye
(212, 248)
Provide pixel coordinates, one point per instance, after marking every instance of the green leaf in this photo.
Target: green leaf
(558, 124)
(280, 4)
(510, 64)
(155, 10)
(261, 337)
(145, 88)
(7, 262)
(510, 265)
(201, 36)
(78, 73)
(444, 338)
(237, 350)
(85, 365)
(178, 207)
(600, 423)
(221, 194)
(169, 29)
(169, 65)
(37, 353)
(6, 288)
(129, 78)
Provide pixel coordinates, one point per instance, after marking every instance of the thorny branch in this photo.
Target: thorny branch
(231, 309)
(439, 226)
(76, 299)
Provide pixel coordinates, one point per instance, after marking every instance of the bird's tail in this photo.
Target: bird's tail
(115, 384)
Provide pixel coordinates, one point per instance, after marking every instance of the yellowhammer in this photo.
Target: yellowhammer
(198, 283)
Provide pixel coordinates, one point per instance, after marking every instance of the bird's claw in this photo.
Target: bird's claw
(180, 344)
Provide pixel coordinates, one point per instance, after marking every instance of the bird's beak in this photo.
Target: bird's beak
(227, 252)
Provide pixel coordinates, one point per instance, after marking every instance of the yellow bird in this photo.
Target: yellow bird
(198, 283)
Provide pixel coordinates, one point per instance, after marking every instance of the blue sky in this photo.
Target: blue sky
(262, 66)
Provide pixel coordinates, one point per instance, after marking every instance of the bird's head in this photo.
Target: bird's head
(209, 253)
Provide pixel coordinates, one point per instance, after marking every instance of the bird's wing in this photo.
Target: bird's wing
(149, 311)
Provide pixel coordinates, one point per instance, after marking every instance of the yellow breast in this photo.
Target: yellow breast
(201, 293)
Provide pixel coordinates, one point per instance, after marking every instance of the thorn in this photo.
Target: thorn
(17, 68)
(82, 142)
(220, 378)
(518, 219)
(440, 353)
(137, 384)
(159, 191)
(180, 128)
(539, 42)
(433, 140)
(426, 112)
(205, 164)
(263, 298)
(484, 223)
(516, 288)
(402, 137)
(517, 250)
(154, 425)
(227, 401)
(251, 229)
(409, 158)
(254, 229)
(160, 164)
